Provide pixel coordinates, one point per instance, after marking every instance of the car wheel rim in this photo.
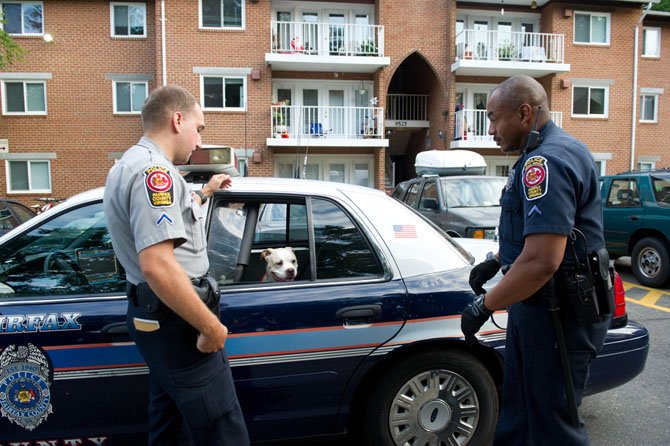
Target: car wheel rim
(649, 262)
(436, 408)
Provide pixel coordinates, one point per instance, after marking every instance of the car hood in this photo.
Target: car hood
(488, 216)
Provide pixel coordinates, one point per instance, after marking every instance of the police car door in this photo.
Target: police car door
(67, 366)
(293, 346)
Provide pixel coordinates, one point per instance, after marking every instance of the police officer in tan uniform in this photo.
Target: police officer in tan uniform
(158, 234)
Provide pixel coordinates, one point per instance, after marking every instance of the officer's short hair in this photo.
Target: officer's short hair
(522, 89)
(162, 103)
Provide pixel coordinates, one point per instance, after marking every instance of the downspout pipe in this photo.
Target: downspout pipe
(635, 69)
(163, 57)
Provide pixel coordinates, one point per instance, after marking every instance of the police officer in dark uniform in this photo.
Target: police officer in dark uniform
(158, 234)
(551, 219)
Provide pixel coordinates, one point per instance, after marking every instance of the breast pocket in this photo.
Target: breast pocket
(511, 217)
(198, 227)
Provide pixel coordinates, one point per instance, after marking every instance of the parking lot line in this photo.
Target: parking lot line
(648, 297)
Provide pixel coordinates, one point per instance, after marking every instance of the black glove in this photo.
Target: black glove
(482, 273)
(474, 315)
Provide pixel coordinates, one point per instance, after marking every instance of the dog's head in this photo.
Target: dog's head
(282, 265)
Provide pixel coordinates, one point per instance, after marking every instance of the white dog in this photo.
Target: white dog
(282, 265)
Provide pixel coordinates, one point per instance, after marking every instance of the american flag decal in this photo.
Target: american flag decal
(404, 231)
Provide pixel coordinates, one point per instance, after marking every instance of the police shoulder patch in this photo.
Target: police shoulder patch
(535, 177)
(159, 186)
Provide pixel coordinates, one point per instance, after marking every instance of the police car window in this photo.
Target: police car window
(341, 249)
(69, 254)
(225, 238)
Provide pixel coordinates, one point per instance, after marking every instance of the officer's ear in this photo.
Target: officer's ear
(526, 114)
(176, 121)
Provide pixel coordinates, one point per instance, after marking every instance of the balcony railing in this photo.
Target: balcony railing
(327, 122)
(327, 39)
(473, 125)
(407, 107)
(509, 46)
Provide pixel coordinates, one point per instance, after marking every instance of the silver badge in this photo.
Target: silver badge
(25, 398)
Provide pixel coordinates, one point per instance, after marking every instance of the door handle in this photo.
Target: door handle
(361, 312)
(115, 328)
(633, 217)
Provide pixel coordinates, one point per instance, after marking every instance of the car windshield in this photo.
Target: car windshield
(472, 191)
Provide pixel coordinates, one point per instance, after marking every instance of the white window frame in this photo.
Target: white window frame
(131, 112)
(24, 82)
(242, 27)
(30, 189)
(590, 115)
(127, 36)
(658, 42)
(649, 165)
(22, 3)
(591, 14)
(223, 78)
(601, 159)
(654, 118)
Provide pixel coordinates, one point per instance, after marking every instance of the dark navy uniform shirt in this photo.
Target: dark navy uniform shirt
(551, 189)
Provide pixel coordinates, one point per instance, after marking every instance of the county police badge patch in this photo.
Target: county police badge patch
(535, 177)
(158, 182)
(25, 398)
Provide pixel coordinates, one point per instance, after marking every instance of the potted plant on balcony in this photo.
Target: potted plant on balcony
(368, 48)
(279, 118)
(507, 50)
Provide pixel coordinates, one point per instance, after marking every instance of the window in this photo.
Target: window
(129, 97)
(24, 98)
(412, 194)
(69, 254)
(129, 20)
(221, 13)
(592, 27)
(646, 165)
(651, 42)
(623, 194)
(28, 176)
(590, 101)
(22, 18)
(661, 187)
(341, 251)
(429, 192)
(223, 93)
(649, 108)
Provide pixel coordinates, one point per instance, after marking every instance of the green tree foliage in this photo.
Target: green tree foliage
(663, 5)
(10, 51)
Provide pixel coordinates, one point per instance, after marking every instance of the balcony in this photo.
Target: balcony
(407, 110)
(327, 126)
(505, 54)
(472, 126)
(301, 46)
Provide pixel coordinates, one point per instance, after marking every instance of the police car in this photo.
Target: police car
(366, 339)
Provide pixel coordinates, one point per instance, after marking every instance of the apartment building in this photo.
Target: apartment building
(340, 91)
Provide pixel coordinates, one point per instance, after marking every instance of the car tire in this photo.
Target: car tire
(435, 398)
(650, 262)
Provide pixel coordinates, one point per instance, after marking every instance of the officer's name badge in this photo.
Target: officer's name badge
(535, 177)
(158, 182)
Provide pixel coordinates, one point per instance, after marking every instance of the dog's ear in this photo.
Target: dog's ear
(289, 248)
(266, 253)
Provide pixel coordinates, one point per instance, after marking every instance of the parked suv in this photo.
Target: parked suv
(636, 209)
(462, 205)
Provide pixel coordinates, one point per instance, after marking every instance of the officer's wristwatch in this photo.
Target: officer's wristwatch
(203, 197)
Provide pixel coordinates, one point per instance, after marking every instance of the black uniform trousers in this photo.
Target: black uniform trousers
(189, 390)
(534, 404)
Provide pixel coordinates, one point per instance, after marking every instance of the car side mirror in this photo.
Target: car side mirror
(430, 203)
